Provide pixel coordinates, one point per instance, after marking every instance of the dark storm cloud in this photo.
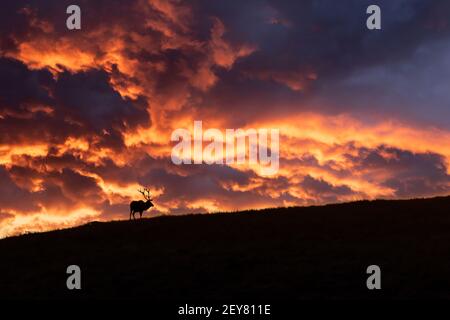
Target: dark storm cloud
(307, 48)
(18, 17)
(87, 98)
(206, 183)
(13, 197)
(60, 190)
(76, 185)
(53, 198)
(36, 128)
(415, 89)
(12, 25)
(109, 211)
(81, 104)
(321, 191)
(121, 175)
(329, 36)
(321, 188)
(21, 88)
(410, 174)
(195, 186)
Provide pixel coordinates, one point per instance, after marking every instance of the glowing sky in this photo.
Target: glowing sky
(86, 116)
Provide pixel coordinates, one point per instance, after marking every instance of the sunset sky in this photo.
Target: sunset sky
(86, 115)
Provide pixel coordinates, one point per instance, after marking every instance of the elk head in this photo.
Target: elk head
(146, 193)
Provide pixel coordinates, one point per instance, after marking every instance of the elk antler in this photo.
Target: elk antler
(146, 194)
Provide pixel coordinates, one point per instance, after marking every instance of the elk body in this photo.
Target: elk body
(141, 206)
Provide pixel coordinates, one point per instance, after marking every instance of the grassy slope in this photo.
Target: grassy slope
(314, 252)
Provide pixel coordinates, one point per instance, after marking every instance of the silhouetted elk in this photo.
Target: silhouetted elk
(141, 206)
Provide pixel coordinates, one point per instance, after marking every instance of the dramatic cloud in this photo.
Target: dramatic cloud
(86, 116)
(409, 174)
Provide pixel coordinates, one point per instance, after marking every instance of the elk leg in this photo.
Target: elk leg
(140, 215)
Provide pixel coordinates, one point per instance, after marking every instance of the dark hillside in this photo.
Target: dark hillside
(287, 253)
